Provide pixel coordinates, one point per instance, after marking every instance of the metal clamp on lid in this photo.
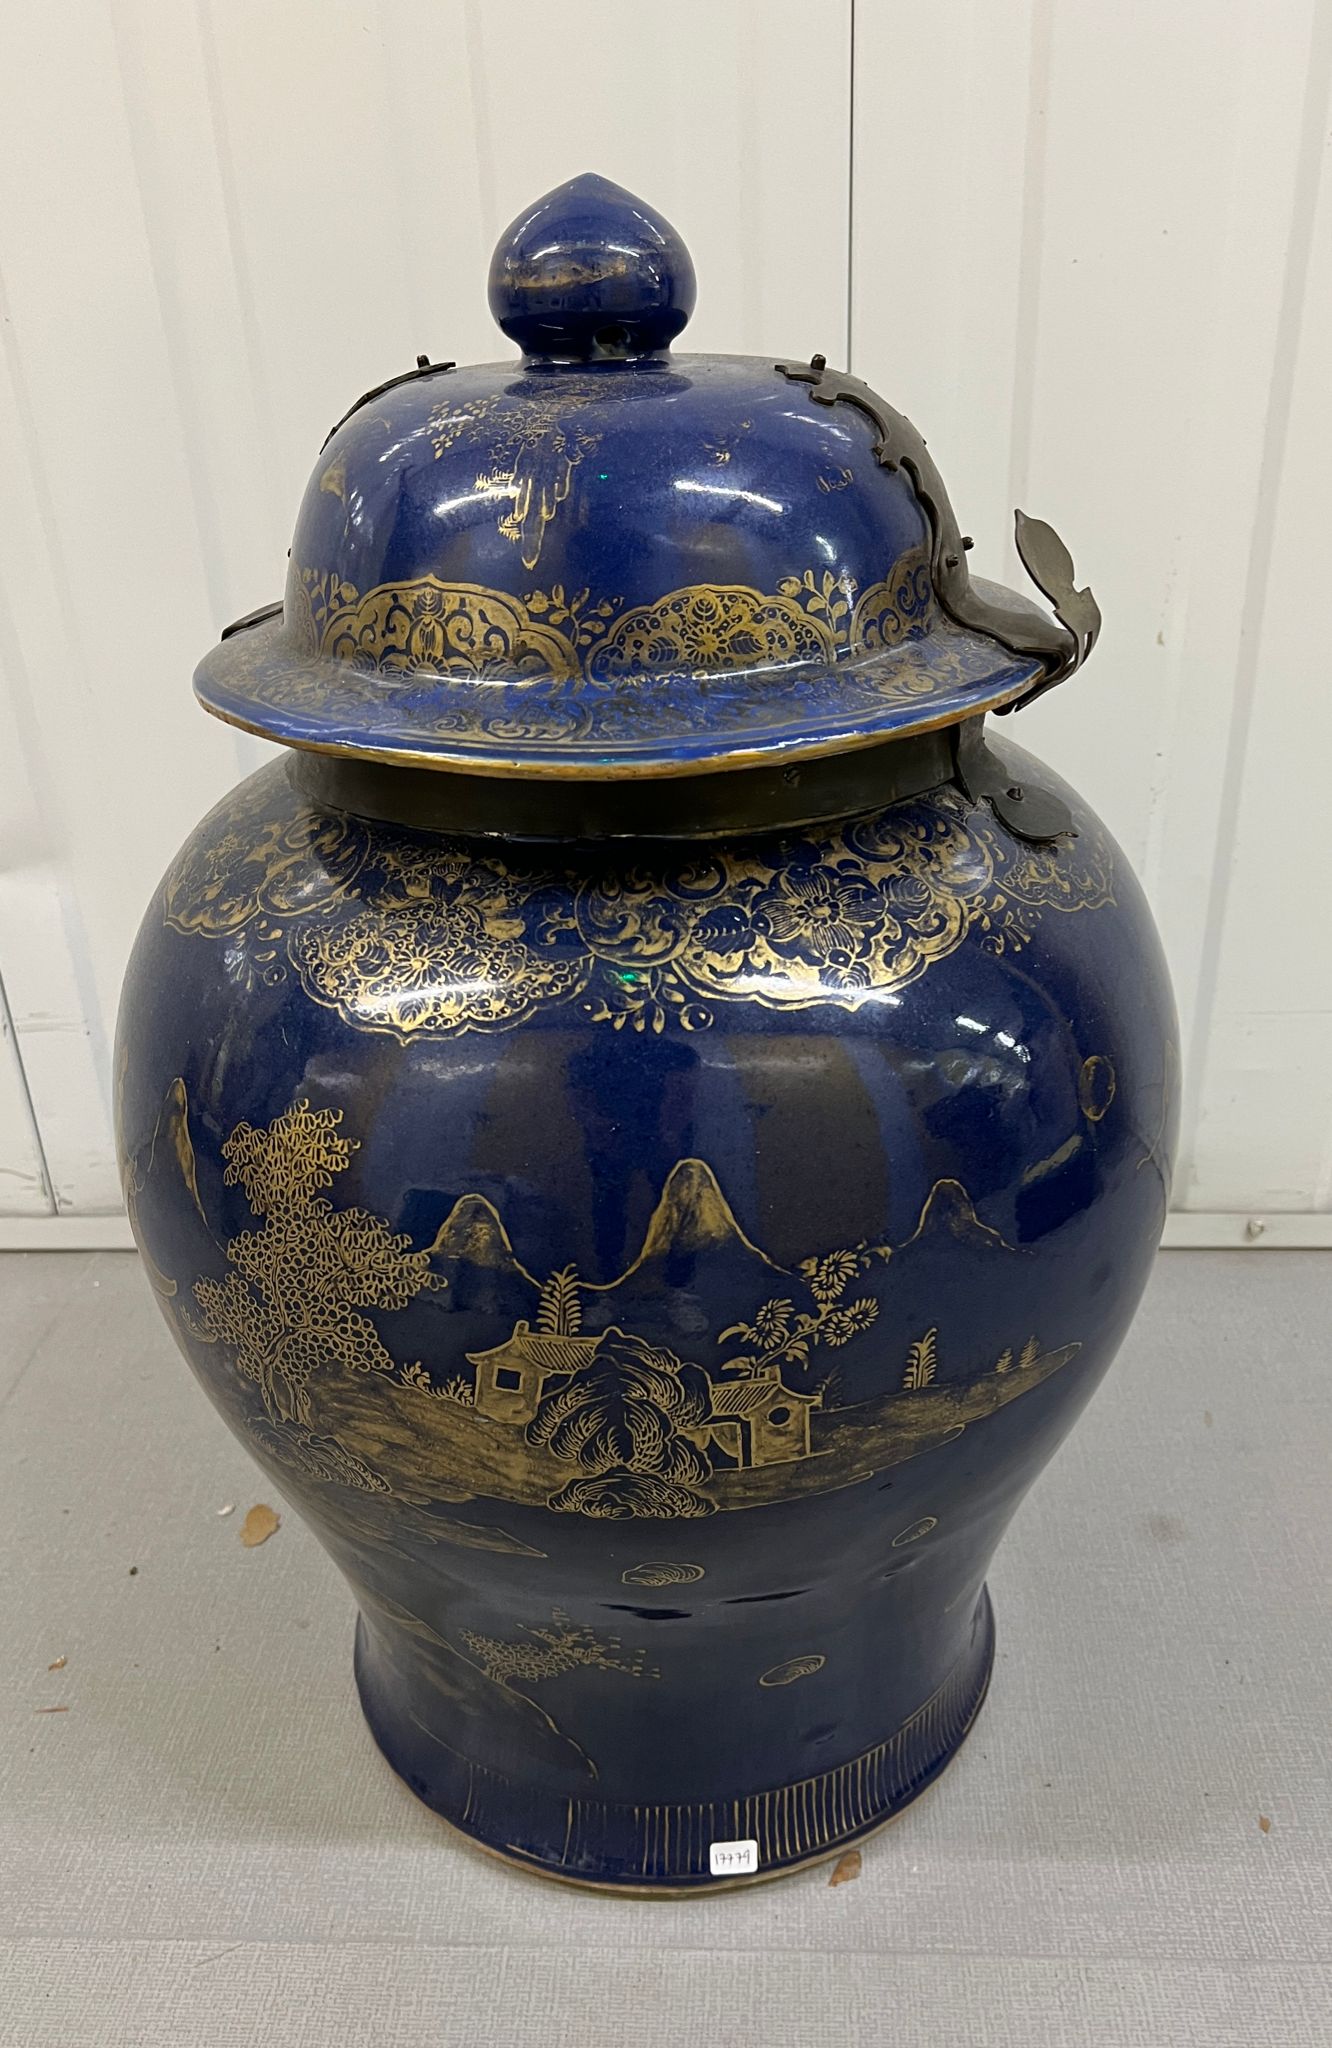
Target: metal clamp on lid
(1063, 643)
(605, 562)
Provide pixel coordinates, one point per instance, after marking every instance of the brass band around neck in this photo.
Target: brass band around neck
(765, 798)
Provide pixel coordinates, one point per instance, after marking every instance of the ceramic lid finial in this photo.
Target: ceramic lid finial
(591, 273)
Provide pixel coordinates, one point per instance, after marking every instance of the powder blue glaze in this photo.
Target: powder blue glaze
(580, 490)
(825, 1127)
(655, 1270)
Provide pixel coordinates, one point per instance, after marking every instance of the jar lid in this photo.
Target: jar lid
(608, 560)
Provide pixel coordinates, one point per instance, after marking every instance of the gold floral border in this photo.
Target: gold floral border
(426, 938)
(429, 626)
(445, 670)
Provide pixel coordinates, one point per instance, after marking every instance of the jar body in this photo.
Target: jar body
(657, 1276)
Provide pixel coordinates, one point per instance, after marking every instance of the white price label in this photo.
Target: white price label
(733, 1859)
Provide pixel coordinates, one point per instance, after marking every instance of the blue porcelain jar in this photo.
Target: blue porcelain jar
(648, 1121)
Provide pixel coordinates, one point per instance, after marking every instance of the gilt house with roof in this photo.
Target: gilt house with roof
(758, 1420)
(752, 1421)
(511, 1378)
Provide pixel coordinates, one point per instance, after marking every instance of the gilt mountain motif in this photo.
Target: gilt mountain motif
(632, 1398)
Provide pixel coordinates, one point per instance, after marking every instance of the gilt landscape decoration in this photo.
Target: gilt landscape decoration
(576, 1396)
(528, 445)
(511, 1669)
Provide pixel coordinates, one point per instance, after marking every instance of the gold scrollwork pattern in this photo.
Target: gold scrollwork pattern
(425, 938)
(444, 945)
(700, 629)
(886, 612)
(712, 627)
(254, 862)
(439, 628)
(557, 666)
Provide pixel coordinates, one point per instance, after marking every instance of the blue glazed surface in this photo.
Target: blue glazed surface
(604, 557)
(732, 1095)
(589, 270)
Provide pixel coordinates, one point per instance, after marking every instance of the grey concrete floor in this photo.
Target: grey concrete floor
(205, 1847)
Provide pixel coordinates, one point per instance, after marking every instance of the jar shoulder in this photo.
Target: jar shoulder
(424, 936)
(911, 997)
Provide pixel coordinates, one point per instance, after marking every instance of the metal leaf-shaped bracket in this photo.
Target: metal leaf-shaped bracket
(1050, 566)
(1062, 643)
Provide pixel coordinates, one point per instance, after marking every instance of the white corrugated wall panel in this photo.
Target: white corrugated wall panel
(218, 225)
(1096, 311)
